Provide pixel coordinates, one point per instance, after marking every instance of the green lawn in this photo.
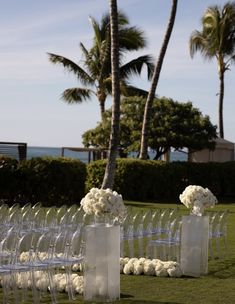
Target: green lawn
(218, 287)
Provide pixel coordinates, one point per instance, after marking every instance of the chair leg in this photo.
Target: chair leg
(140, 246)
(68, 275)
(218, 249)
(52, 286)
(131, 247)
(211, 248)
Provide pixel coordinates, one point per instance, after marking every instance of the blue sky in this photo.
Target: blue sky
(30, 86)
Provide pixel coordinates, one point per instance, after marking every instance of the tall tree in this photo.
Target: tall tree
(217, 40)
(108, 180)
(173, 124)
(154, 83)
(95, 74)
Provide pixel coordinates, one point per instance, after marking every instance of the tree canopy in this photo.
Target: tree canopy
(172, 125)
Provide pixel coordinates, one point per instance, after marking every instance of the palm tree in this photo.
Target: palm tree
(154, 83)
(108, 180)
(217, 40)
(95, 74)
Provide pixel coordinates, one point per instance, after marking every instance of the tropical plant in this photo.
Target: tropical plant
(172, 125)
(95, 74)
(108, 179)
(154, 83)
(217, 40)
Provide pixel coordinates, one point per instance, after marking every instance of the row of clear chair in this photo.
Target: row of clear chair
(34, 216)
(46, 251)
(166, 246)
(218, 234)
(51, 238)
(156, 234)
(139, 228)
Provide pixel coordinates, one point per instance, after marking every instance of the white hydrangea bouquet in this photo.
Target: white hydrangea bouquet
(103, 203)
(197, 199)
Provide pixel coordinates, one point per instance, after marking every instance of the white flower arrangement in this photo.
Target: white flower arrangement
(150, 267)
(23, 280)
(197, 199)
(129, 266)
(101, 202)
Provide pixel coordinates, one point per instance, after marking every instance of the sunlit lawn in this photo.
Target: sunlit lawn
(218, 287)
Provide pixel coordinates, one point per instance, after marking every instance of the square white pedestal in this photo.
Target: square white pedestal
(194, 245)
(102, 263)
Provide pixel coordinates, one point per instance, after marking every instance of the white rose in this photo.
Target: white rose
(161, 272)
(149, 268)
(175, 272)
(138, 268)
(128, 268)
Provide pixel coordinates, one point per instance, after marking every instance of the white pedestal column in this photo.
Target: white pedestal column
(194, 245)
(102, 263)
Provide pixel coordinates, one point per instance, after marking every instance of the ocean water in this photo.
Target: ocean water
(83, 156)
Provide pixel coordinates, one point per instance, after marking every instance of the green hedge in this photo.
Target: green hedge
(8, 178)
(157, 180)
(57, 181)
(50, 180)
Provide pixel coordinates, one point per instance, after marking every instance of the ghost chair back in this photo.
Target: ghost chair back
(127, 236)
(168, 246)
(8, 251)
(156, 213)
(218, 234)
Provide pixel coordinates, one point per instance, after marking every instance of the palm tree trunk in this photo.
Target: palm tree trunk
(102, 109)
(108, 180)
(221, 100)
(156, 75)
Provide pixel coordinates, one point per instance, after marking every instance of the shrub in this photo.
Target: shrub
(50, 180)
(139, 179)
(8, 179)
(152, 180)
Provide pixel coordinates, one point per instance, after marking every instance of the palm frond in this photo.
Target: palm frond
(91, 61)
(97, 32)
(135, 66)
(71, 66)
(84, 50)
(128, 90)
(131, 38)
(230, 59)
(77, 95)
(198, 42)
(105, 21)
(217, 37)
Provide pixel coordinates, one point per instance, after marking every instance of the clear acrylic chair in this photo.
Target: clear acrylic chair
(68, 251)
(26, 265)
(51, 218)
(155, 220)
(25, 207)
(147, 232)
(218, 234)
(4, 211)
(167, 247)
(138, 232)
(127, 236)
(77, 217)
(36, 207)
(9, 266)
(39, 219)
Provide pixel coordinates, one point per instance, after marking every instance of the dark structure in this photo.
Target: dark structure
(15, 150)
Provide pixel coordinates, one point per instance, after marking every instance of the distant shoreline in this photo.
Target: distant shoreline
(37, 151)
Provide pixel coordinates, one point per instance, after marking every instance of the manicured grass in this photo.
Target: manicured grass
(218, 287)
